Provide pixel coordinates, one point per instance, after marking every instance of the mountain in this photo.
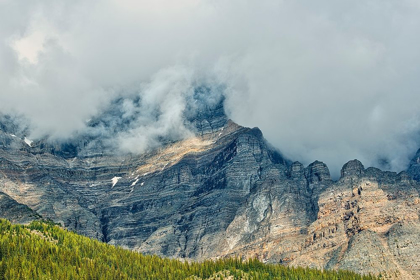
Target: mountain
(223, 192)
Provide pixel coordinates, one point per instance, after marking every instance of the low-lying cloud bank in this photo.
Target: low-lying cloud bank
(327, 81)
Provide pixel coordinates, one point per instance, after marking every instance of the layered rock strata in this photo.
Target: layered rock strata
(222, 193)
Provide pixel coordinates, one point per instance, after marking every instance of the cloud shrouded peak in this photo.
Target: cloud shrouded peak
(327, 81)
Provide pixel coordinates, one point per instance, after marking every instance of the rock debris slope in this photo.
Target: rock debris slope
(221, 193)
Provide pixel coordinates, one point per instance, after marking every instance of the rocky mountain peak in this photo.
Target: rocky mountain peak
(352, 168)
(203, 114)
(414, 168)
(222, 192)
(208, 118)
(317, 172)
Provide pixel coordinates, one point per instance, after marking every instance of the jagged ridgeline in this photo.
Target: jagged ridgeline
(219, 191)
(43, 250)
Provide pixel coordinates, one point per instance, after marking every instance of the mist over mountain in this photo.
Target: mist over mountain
(327, 81)
(222, 191)
(282, 130)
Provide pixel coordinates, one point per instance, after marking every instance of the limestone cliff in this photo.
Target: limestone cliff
(223, 192)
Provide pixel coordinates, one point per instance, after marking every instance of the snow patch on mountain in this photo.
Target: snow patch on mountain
(115, 181)
(28, 142)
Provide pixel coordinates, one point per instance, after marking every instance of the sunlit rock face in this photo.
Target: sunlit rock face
(223, 191)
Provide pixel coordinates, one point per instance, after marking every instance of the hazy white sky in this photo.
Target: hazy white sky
(324, 80)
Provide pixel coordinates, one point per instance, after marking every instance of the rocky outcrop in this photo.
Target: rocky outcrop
(355, 221)
(16, 212)
(224, 192)
(414, 168)
(317, 172)
(352, 168)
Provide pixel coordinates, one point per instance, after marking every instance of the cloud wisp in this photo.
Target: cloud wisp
(326, 81)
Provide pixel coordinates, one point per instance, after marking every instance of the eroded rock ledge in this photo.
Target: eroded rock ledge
(225, 192)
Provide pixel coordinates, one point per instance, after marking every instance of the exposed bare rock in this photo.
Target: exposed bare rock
(367, 252)
(404, 244)
(355, 222)
(317, 172)
(414, 168)
(221, 193)
(352, 168)
(14, 211)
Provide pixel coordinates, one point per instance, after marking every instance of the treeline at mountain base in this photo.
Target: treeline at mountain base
(43, 250)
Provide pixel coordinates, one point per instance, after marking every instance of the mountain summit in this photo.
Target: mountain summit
(221, 192)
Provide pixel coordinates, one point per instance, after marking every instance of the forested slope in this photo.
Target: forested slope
(45, 251)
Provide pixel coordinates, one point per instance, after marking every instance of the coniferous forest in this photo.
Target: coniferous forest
(43, 250)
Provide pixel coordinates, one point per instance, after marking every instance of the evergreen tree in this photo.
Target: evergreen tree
(43, 250)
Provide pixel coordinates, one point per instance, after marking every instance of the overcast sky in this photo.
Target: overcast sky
(325, 80)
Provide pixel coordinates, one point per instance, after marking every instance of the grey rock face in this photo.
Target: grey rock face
(414, 168)
(224, 192)
(352, 168)
(317, 172)
(14, 211)
(208, 119)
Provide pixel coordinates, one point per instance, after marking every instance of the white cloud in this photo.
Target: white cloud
(161, 111)
(328, 81)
